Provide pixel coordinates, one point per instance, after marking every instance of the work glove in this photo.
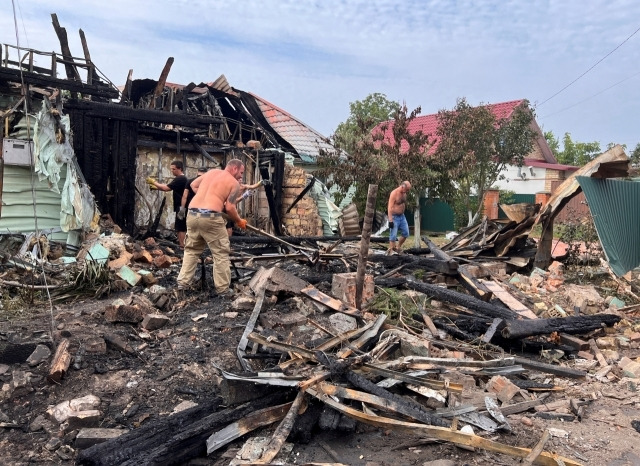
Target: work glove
(152, 187)
(151, 181)
(242, 224)
(391, 225)
(266, 182)
(182, 213)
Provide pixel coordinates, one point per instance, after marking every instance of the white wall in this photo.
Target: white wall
(530, 184)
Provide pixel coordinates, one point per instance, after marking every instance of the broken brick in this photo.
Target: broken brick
(125, 313)
(162, 262)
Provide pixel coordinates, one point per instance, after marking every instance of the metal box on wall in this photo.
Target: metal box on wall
(17, 152)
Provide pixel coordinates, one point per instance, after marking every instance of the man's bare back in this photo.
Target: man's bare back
(218, 190)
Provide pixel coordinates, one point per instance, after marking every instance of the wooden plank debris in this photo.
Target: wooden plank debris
(242, 344)
(249, 423)
(282, 432)
(597, 353)
(441, 433)
(537, 450)
(60, 363)
(512, 303)
(332, 303)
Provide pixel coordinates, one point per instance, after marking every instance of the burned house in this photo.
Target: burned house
(116, 137)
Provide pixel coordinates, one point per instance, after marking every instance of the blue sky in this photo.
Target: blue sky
(312, 58)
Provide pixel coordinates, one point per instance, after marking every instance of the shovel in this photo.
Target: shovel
(311, 254)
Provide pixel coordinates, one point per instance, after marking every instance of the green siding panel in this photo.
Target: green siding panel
(615, 207)
(18, 200)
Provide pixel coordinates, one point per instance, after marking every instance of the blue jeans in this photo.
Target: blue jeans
(399, 224)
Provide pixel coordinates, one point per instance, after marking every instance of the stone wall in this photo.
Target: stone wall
(303, 219)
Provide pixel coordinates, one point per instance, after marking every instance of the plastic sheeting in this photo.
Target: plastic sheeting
(54, 153)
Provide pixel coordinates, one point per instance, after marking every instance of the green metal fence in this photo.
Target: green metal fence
(437, 216)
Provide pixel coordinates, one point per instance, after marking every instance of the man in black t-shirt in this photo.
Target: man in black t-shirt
(188, 194)
(177, 185)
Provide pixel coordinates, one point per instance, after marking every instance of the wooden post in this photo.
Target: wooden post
(92, 76)
(416, 226)
(543, 252)
(364, 242)
(162, 81)
(72, 72)
(54, 64)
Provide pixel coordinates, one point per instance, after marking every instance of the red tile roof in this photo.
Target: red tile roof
(304, 139)
(428, 124)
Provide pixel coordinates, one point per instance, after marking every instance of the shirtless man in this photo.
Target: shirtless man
(215, 190)
(397, 220)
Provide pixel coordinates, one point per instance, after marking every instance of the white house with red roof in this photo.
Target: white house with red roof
(540, 167)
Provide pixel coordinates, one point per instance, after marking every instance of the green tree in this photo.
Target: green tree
(635, 156)
(553, 143)
(385, 156)
(478, 147)
(364, 116)
(577, 153)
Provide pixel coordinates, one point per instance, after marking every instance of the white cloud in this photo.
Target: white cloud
(313, 57)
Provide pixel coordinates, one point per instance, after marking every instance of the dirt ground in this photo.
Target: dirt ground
(177, 363)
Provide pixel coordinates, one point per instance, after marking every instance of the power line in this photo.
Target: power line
(592, 67)
(25, 92)
(592, 96)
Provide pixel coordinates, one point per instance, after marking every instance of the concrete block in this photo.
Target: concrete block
(629, 367)
(343, 287)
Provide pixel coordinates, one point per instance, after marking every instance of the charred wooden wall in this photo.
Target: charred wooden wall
(106, 153)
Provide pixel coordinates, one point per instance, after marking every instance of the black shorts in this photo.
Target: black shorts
(181, 225)
(230, 224)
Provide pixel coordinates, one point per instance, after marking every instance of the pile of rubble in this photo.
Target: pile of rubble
(448, 348)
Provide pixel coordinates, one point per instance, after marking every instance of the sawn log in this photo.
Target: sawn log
(475, 304)
(572, 325)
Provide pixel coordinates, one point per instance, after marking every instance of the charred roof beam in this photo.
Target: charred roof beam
(107, 110)
(101, 90)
